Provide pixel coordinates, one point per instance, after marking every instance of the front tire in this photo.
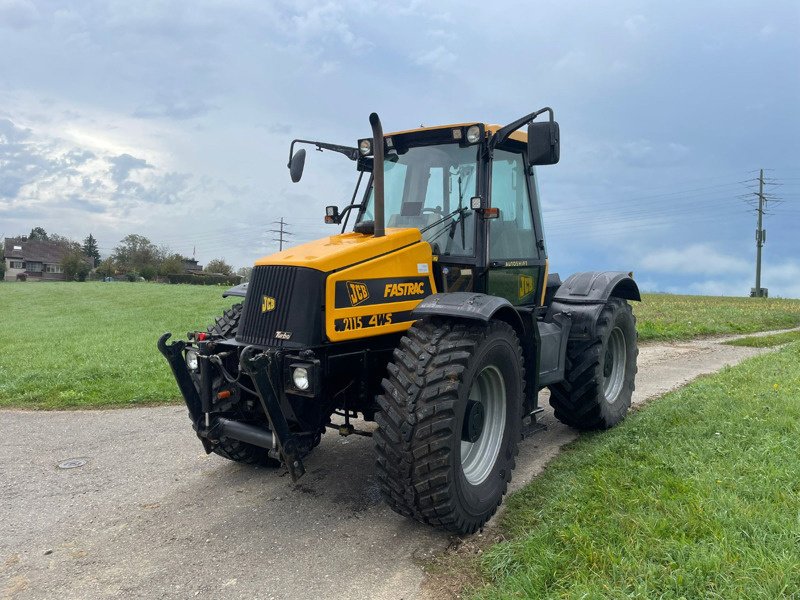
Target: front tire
(599, 375)
(449, 422)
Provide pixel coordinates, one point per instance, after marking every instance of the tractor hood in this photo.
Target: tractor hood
(342, 250)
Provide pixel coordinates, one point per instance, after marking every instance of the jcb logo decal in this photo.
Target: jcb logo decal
(525, 285)
(403, 289)
(267, 304)
(357, 292)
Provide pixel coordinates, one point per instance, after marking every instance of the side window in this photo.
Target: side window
(511, 236)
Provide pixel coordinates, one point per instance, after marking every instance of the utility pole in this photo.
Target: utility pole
(281, 233)
(761, 235)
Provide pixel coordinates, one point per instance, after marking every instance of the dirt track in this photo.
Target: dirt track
(150, 515)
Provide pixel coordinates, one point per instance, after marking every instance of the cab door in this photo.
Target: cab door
(516, 256)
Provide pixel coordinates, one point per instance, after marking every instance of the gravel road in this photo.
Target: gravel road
(149, 515)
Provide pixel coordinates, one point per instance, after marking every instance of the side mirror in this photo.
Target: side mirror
(543, 143)
(332, 215)
(296, 165)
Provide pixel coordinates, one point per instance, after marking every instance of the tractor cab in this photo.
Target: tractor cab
(471, 191)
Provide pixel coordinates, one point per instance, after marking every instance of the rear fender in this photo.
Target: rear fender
(582, 297)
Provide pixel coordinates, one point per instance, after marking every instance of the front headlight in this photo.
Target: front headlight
(300, 378)
(191, 360)
(365, 147)
(473, 134)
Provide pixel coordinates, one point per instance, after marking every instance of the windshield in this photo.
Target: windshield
(429, 187)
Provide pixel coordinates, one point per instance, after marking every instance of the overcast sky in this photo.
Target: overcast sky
(173, 120)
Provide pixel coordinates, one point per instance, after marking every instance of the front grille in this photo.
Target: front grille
(297, 293)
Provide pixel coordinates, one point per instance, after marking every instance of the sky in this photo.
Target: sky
(173, 120)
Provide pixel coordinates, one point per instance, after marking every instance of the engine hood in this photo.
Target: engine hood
(342, 250)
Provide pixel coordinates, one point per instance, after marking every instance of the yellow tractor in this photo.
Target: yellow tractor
(434, 316)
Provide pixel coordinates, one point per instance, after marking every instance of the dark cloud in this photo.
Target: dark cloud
(10, 133)
(18, 14)
(83, 204)
(122, 166)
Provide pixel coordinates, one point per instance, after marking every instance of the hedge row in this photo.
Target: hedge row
(197, 279)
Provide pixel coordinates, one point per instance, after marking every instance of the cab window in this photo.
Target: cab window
(511, 236)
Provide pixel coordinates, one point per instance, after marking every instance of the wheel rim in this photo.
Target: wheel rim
(479, 457)
(614, 366)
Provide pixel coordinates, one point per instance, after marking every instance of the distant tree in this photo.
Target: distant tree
(218, 265)
(2, 270)
(172, 264)
(66, 243)
(91, 250)
(245, 273)
(135, 252)
(149, 272)
(107, 268)
(75, 266)
(38, 233)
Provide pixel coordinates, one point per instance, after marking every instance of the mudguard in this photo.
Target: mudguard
(593, 287)
(582, 297)
(237, 290)
(467, 305)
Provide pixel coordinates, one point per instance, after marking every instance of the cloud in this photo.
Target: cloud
(18, 14)
(691, 260)
(179, 109)
(124, 164)
(438, 58)
(636, 25)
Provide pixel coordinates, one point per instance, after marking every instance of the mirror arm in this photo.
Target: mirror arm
(348, 151)
(347, 209)
(502, 134)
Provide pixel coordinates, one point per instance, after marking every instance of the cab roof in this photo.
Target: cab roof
(520, 135)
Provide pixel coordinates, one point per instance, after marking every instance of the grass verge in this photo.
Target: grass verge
(670, 317)
(696, 496)
(86, 345)
(767, 341)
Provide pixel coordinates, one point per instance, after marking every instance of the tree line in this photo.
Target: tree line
(135, 256)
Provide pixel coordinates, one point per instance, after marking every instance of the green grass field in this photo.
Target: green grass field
(86, 345)
(668, 317)
(82, 345)
(696, 496)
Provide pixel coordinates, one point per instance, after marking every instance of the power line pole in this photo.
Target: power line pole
(282, 232)
(760, 235)
(765, 200)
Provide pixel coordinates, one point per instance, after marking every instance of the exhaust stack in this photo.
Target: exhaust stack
(377, 172)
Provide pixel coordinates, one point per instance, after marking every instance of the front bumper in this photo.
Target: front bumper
(265, 367)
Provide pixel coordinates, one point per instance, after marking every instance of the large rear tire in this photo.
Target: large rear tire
(600, 373)
(449, 422)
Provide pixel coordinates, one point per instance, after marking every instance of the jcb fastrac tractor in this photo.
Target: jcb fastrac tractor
(434, 316)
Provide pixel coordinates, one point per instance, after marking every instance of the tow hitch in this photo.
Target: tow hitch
(264, 369)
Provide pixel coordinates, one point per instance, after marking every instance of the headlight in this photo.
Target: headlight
(191, 360)
(365, 147)
(473, 134)
(300, 378)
